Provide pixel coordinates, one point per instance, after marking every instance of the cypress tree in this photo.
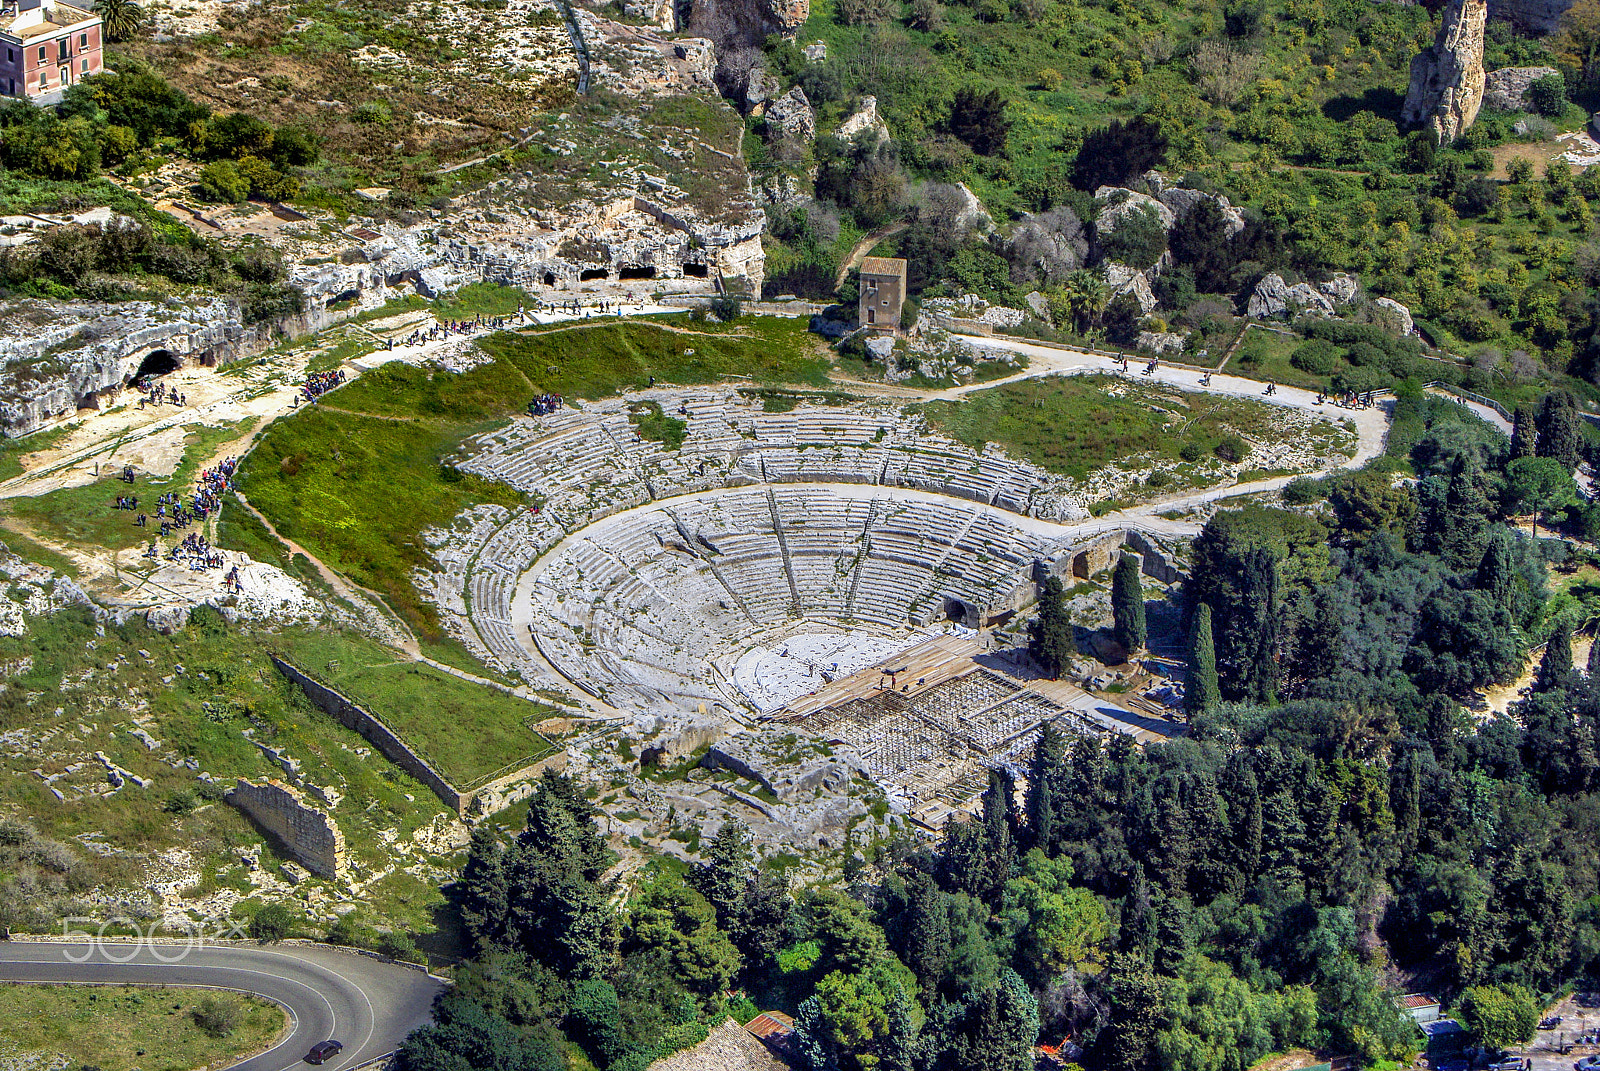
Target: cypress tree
(1048, 755)
(1203, 691)
(1050, 639)
(927, 933)
(1127, 604)
(1253, 632)
(1524, 433)
(1560, 434)
(1594, 656)
(1496, 575)
(1556, 665)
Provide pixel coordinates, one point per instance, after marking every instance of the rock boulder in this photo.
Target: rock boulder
(1398, 313)
(865, 118)
(1506, 90)
(791, 116)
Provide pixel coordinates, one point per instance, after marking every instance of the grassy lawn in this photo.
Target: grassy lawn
(1264, 355)
(355, 487)
(117, 1028)
(84, 515)
(1071, 425)
(483, 299)
(465, 730)
(12, 451)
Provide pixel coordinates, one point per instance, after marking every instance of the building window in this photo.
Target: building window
(64, 48)
(872, 316)
(83, 40)
(85, 66)
(41, 53)
(11, 56)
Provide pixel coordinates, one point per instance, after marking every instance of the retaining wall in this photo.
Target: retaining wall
(376, 733)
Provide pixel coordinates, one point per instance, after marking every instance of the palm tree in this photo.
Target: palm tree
(1086, 297)
(121, 18)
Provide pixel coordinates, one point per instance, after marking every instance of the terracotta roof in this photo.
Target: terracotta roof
(883, 266)
(770, 1025)
(1418, 1000)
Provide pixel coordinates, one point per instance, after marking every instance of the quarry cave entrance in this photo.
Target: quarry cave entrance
(648, 272)
(157, 363)
(549, 278)
(593, 273)
(699, 271)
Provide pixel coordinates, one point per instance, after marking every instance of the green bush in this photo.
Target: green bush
(222, 182)
(1318, 357)
(218, 1016)
(1232, 449)
(272, 923)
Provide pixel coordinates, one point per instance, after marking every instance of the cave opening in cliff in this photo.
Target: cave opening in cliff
(593, 273)
(157, 363)
(699, 271)
(549, 278)
(647, 272)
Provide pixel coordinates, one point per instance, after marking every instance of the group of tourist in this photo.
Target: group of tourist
(199, 553)
(1349, 399)
(320, 383)
(460, 327)
(212, 485)
(127, 502)
(545, 404)
(156, 393)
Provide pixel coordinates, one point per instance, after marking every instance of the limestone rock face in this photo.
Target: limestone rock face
(1274, 298)
(791, 115)
(1506, 90)
(865, 118)
(1399, 313)
(1116, 203)
(1447, 80)
(1164, 343)
(56, 358)
(1122, 279)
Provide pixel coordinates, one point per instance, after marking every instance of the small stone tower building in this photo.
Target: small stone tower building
(883, 291)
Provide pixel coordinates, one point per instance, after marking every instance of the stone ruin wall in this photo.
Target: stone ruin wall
(376, 733)
(310, 834)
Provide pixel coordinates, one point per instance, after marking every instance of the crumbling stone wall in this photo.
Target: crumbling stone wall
(311, 835)
(376, 733)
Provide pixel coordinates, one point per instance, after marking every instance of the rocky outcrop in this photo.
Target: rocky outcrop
(1447, 79)
(1121, 279)
(791, 116)
(1117, 204)
(864, 119)
(1506, 90)
(1273, 297)
(1161, 343)
(1397, 314)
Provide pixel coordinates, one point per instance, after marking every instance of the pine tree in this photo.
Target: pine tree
(1127, 604)
(1203, 691)
(722, 878)
(1050, 637)
(1524, 433)
(1560, 428)
(486, 902)
(1556, 665)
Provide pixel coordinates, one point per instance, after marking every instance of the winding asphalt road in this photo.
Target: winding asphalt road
(368, 1004)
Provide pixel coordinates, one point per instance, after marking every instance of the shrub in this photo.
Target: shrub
(221, 181)
(272, 923)
(1318, 357)
(1232, 449)
(1304, 491)
(1548, 95)
(726, 307)
(218, 1016)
